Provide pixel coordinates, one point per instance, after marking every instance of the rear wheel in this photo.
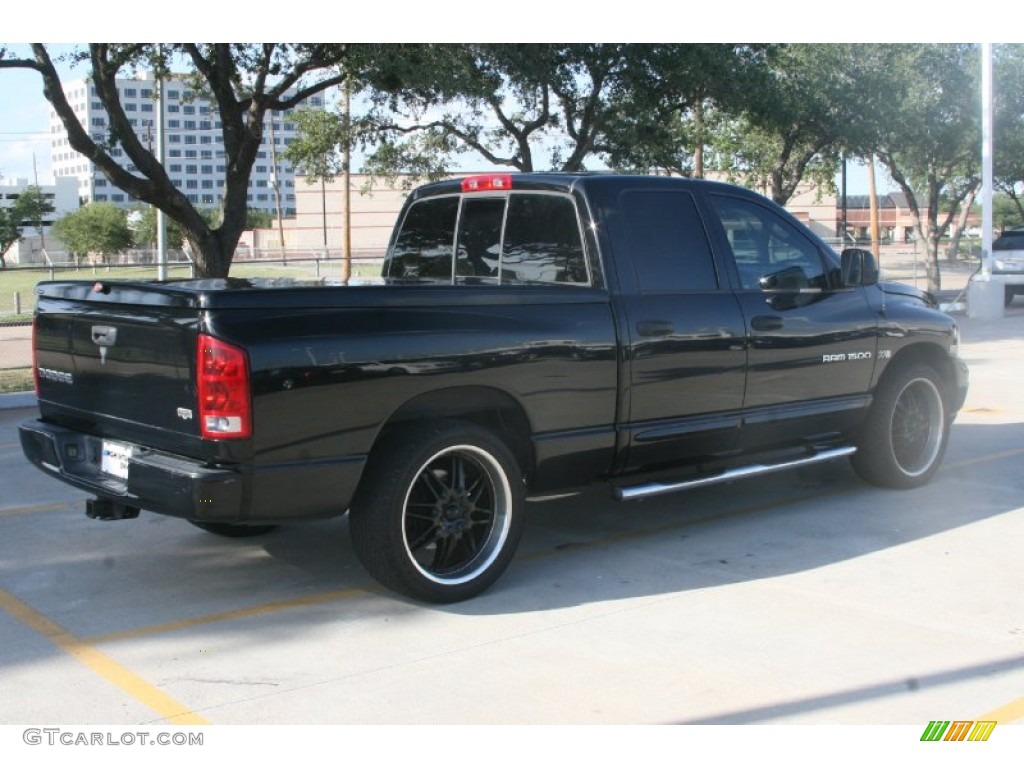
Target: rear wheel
(439, 513)
(233, 530)
(906, 432)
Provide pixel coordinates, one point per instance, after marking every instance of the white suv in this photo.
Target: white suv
(1008, 261)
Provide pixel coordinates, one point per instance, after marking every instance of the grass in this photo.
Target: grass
(16, 380)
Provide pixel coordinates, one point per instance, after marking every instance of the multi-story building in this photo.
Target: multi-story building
(193, 144)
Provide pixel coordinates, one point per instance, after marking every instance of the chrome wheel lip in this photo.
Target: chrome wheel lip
(928, 411)
(497, 535)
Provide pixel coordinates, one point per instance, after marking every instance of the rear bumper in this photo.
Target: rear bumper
(183, 487)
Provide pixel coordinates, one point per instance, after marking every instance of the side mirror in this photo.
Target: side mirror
(858, 267)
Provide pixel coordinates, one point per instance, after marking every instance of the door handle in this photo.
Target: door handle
(767, 323)
(654, 328)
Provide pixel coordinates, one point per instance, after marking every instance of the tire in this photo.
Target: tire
(439, 512)
(233, 530)
(905, 436)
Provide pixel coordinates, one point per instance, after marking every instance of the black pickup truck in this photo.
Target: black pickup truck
(530, 333)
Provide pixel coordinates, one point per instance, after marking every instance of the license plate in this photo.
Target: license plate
(115, 458)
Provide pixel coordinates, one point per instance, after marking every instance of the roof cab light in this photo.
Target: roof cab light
(222, 383)
(488, 182)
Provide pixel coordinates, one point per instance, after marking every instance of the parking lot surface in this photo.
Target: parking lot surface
(805, 597)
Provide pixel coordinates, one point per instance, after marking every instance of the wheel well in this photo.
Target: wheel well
(491, 409)
(931, 355)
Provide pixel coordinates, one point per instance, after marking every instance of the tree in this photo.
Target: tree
(803, 107)
(244, 80)
(929, 136)
(513, 105)
(96, 228)
(673, 101)
(1008, 139)
(29, 209)
(143, 226)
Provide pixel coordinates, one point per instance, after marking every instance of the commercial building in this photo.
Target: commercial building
(62, 195)
(193, 144)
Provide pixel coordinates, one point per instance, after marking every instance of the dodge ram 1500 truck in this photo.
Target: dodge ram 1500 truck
(530, 332)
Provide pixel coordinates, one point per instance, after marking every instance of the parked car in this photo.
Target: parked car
(1008, 261)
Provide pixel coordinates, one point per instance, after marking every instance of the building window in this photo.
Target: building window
(190, 154)
(146, 93)
(130, 93)
(131, 107)
(99, 122)
(147, 107)
(174, 123)
(191, 184)
(172, 95)
(174, 138)
(189, 139)
(175, 167)
(172, 108)
(117, 198)
(190, 125)
(191, 169)
(174, 153)
(206, 154)
(206, 139)
(207, 169)
(206, 184)
(188, 109)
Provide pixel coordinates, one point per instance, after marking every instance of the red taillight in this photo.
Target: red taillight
(487, 182)
(35, 354)
(222, 382)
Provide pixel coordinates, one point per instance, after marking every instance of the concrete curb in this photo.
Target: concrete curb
(12, 400)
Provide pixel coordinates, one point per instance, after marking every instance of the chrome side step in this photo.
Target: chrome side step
(646, 490)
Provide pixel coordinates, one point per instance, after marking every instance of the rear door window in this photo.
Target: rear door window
(669, 246)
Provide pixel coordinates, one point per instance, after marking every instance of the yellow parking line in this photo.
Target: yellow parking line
(101, 664)
(1006, 714)
(14, 511)
(240, 613)
(987, 457)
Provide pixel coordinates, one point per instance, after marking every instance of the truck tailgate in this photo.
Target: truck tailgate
(119, 361)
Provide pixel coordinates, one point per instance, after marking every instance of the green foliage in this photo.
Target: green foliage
(928, 135)
(97, 228)
(315, 153)
(258, 219)
(143, 228)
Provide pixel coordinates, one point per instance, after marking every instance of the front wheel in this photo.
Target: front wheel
(439, 513)
(906, 432)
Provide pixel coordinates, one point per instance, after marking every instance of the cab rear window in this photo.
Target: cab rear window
(509, 239)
